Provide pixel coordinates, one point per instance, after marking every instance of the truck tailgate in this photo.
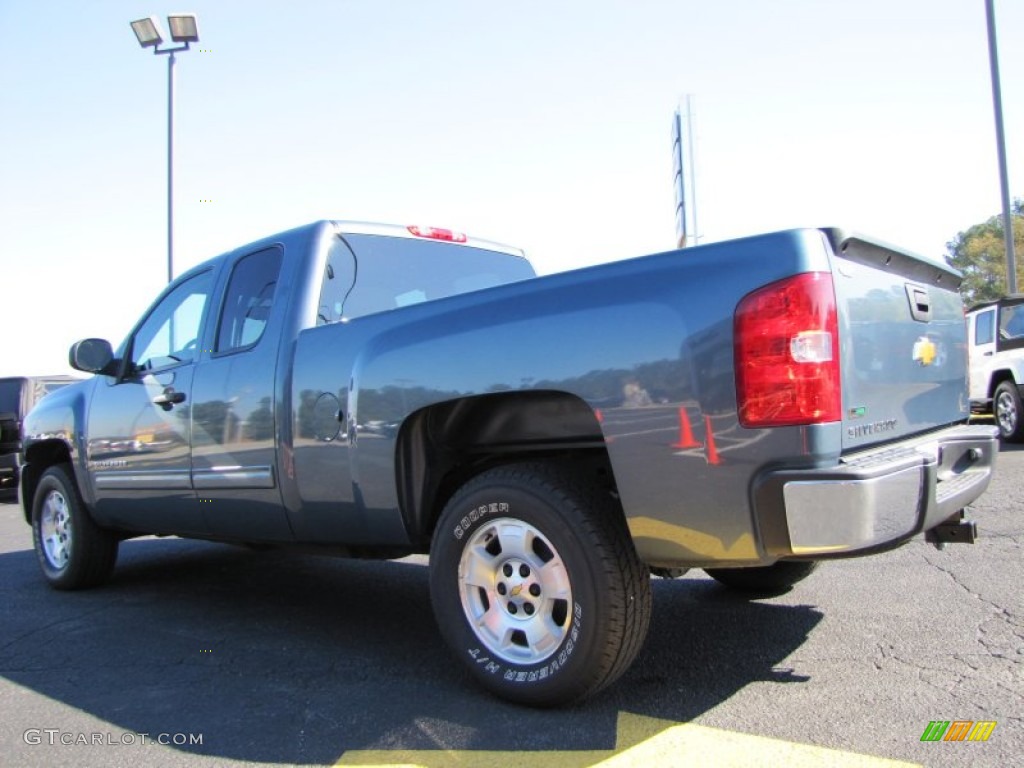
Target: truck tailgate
(903, 341)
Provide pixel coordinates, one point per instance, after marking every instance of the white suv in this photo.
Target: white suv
(995, 334)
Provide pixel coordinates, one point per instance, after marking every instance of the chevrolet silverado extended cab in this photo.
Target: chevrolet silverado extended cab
(749, 407)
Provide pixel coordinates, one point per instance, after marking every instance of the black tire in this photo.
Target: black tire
(764, 580)
(73, 552)
(1007, 410)
(562, 603)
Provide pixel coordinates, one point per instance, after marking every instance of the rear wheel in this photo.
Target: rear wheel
(73, 551)
(536, 585)
(1007, 409)
(765, 580)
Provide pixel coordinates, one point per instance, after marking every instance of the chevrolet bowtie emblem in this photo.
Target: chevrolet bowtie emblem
(924, 351)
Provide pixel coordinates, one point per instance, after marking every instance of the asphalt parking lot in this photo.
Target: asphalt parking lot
(199, 654)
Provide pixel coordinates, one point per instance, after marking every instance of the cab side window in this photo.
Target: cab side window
(248, 302)
(170, 334)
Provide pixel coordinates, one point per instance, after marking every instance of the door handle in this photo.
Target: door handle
(986, 354)
(169, 398)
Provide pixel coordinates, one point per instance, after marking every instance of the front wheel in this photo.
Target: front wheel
(763, 580)
(1007, 409)
(536, 585)
(73, 551)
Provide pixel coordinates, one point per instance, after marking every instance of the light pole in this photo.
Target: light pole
(184, 29)
(1004, 182)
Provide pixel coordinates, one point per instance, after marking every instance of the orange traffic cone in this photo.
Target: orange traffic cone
(600, 421)
(685, 432)
(712, 452)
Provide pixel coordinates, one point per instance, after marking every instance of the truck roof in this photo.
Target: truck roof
(346, 227)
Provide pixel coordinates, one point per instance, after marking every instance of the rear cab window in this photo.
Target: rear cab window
(366, 274)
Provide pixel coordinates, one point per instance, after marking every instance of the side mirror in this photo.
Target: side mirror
(92, 356)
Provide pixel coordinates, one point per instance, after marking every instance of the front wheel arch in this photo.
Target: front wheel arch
(39, 458)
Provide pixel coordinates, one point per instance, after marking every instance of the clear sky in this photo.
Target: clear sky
(545, 125)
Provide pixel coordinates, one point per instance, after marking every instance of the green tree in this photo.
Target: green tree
(980, 253)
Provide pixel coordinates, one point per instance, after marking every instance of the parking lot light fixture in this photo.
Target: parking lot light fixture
(147, 30)
(184, 30)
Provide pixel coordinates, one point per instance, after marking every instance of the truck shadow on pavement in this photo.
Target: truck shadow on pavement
(290, 659)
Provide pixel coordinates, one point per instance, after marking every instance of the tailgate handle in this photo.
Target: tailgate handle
(920, 303)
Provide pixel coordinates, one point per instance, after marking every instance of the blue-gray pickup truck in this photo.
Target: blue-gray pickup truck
(750, 407)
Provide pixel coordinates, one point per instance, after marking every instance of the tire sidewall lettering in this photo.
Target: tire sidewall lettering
(605, 600)
(548, 668)
(476, 514)
(571, 646)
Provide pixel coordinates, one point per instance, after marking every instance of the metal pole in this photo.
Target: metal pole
(692, 166)
(1004, 182)
(680, 181)
(170, 167)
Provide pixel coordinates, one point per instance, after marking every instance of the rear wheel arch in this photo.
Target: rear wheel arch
(442, 447)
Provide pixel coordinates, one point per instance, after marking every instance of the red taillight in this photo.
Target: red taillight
(436, 233)
(787, 353)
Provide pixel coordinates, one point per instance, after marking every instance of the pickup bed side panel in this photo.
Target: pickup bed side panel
(646, 342)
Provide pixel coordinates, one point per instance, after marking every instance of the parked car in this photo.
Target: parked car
(18, 395)
(995, 339)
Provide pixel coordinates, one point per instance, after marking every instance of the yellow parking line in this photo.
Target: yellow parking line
(640, 741)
